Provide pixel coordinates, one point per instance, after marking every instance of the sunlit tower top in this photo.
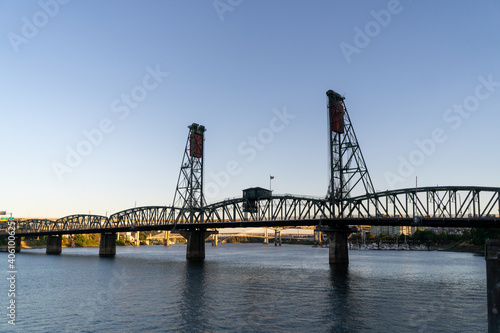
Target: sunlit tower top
(347, 165)
(189, 192)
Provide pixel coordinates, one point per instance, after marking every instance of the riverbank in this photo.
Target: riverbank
(464, 247)
(454, 247)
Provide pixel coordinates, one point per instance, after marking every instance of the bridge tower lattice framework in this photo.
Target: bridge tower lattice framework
(189, 196)
(348, 172)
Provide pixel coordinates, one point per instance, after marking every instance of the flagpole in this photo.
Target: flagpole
(270, 179)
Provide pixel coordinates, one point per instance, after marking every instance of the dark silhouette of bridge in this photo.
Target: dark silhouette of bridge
(444, 206)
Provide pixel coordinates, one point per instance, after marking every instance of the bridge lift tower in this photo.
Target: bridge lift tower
(189, 193)
(347, 172)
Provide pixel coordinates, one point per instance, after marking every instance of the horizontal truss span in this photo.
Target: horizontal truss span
(67, 223)
(276, 208)
(454, 206)
(449, 202)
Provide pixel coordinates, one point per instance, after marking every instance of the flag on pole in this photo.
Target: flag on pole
(271, 177)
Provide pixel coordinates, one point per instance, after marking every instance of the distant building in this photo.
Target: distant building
(128, 236)
(393, 230)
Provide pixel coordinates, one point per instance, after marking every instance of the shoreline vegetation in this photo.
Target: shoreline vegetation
(469, 240)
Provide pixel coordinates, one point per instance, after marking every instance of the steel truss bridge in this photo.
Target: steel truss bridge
(453, 206)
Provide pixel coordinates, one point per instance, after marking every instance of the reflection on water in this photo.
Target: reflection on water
(342, 310)
(193, 304)
(249, 288)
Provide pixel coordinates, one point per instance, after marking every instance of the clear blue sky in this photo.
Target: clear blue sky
(232, 65)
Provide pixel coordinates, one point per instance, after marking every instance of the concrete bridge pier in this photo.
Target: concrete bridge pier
(196, 243)
(317, 238)
(54, 244)
(107, 245)
(166, 241)
(337, 239)
(277, 237)
(492, 250)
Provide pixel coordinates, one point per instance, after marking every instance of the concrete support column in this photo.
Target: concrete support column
(166, 242)
(337, 239)
(266, 237)
(107, 245)
(277, 237)
(54, 244)
(215, 240)
(492, 248)
(196, 243)
(317, 238)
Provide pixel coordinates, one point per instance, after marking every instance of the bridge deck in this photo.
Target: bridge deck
(457, 206)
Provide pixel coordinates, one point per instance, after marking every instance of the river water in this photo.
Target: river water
(246, 288)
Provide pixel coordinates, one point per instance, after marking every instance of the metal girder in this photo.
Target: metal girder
(35, 224)
(431, 202)
(145, 216)
(268, 209)
(65, 224)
